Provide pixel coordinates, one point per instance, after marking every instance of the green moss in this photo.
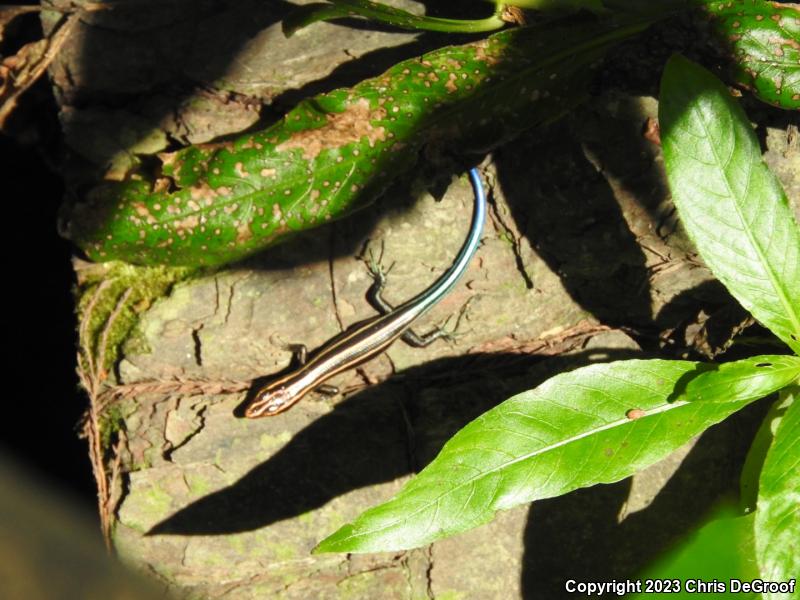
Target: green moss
(280, 551)
(199, 485)
(270, 443)
(111, 421)
(237, 543)
(507, 238)
(136, 343)
(451, 595)
(358, 586)
(150, 504)
(110, 299)
(306, 518)
(157, 501)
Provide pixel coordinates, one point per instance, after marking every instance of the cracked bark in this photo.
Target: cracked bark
(244, 502)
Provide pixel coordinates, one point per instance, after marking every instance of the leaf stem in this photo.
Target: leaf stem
(406, 20)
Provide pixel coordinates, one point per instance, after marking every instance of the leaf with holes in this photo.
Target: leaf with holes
(731, 205)
(741, 378)
(597, 424)
(760, 41)
(777, 525)
(336, 152)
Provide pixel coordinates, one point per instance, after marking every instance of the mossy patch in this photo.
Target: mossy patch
(111, 422)
(110, 300)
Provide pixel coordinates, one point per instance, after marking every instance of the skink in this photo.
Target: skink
(368, 338)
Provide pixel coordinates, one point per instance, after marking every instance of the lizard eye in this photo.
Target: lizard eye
(268, 401)
(276, 399)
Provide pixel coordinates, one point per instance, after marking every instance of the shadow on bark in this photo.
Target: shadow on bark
(570, 216)
(579, 536)
(375, 436)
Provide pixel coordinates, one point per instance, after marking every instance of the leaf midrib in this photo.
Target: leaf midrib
(774, 280)
(590, 432)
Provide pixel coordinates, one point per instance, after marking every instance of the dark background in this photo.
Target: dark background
(42, 403)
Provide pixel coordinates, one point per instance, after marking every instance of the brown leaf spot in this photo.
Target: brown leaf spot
(143, 211)
(341, 129)
(482, 55)
(167, 159)
(202, 192)
(187, 224)
(211, 147)
(243, 233)
(450, 86)
(776, 41)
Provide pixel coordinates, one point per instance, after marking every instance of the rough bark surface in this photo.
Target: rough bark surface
(581, 261)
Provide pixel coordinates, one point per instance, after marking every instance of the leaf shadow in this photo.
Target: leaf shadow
(571, 218)
(378, 435)
(148, 58)
(686, 378)
(147, 63)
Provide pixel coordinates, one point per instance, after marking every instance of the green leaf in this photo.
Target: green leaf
(731, 205)
(597, 424)
(307, 14)
(753, 377)
(334, 153)
(760, 41)
(720, 550)
(754, 463)
(777, 524)
(337, 9)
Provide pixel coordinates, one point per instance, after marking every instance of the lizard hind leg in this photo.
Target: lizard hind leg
(441, 331)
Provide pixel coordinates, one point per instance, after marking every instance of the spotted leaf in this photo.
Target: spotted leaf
(336, 152)
(761, 43)
(596, 424)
